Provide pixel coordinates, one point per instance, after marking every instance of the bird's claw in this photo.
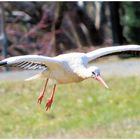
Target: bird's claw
(40, 99)
(48, 104)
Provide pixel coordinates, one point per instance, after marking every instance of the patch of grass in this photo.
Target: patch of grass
(83, 110)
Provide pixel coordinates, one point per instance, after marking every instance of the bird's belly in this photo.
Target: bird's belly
(69, 80)
(65, 77)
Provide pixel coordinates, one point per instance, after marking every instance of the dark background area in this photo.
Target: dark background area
(52, 28)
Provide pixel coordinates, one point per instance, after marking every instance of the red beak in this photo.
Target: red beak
(101, 80)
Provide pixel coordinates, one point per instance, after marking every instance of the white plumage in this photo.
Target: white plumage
(65, 68)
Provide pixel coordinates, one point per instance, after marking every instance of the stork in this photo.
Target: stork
(65, 68)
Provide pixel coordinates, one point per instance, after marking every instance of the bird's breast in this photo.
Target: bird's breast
(63, 77)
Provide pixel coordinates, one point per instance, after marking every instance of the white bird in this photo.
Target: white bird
(65, 68)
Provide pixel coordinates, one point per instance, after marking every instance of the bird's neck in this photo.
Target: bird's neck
(85, 73)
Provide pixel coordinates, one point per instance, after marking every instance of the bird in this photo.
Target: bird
(65, 68)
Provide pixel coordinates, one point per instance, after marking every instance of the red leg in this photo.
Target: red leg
(50, 100)
(42, 93)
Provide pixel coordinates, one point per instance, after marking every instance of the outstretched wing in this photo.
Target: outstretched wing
(31, 62)
(110, 50)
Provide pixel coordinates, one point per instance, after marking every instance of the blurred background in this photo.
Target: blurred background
(84, 110)
(52, 28)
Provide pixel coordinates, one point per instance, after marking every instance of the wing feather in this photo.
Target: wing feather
(29, 65)
(110, 50)
(32, 62)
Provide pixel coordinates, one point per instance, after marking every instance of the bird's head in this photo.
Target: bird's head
(95, 73)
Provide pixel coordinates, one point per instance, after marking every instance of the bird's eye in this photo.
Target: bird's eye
(93, 73)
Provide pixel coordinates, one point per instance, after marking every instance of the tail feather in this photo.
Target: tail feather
(33, 77)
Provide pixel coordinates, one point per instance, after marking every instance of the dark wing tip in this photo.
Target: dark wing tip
(3, 63)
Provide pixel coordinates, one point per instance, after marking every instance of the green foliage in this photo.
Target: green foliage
(84, 110)
(130, 21)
